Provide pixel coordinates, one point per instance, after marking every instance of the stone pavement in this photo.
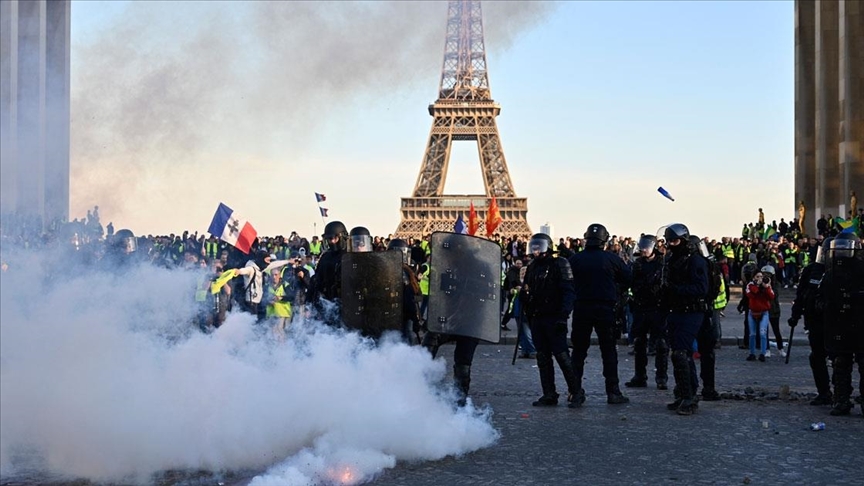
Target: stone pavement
(758, 434)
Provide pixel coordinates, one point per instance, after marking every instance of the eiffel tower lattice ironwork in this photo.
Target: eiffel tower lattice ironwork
(464, 111)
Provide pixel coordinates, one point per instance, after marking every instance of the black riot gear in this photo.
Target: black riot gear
(541, 243)
(125, 242)
(823, 250)
(845, 245)
(399, 244)
(336, 229)
(675, 231)
(361, 240)
(647, 243)
(596, 235)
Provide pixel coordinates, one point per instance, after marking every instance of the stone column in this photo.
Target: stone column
(8, 104)
(57, 76)
(31, 108)
(851, 57)
(805, 111)
(827, 109)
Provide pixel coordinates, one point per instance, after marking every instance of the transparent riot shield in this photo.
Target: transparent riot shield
(372, 291)
(465, 286)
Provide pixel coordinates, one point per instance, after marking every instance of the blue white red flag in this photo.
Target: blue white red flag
(323, 212)
(460, 227)
(320, 197)
(228, 226)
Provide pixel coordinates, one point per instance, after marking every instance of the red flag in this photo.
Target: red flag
(473, 225)
(493, 218)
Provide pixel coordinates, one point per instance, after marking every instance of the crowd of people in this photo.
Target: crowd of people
(665, 292)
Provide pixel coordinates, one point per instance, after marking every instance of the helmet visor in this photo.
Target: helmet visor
(361, 243)
(646, 244)
(128, 245)
(538, 245)
(844, 248)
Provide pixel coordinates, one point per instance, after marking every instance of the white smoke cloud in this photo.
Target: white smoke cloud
(104, 377)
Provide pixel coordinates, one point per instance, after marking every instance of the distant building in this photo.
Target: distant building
(547, 229)
(829, 107)
(34, 108)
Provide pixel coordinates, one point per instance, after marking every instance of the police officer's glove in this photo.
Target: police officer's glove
(792, 322)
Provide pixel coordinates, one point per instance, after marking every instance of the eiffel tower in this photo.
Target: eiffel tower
(464, 111)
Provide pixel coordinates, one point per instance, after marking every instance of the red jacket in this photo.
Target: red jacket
(759, 298)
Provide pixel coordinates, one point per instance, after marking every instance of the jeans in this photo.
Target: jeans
(763, 332)
(526, 342)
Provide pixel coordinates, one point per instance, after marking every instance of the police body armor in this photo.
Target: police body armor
(372, 291)
(678, 269)
(842, 294)
(464, 286)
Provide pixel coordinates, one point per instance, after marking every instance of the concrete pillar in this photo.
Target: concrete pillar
(827, 109)
(57, 77)
(851, 97)
(805, 116)
(8, 105)
(31, 108)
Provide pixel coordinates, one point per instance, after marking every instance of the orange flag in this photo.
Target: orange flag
(473, 225)
(493, 218)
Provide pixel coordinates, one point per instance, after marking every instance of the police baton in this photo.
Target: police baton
(518, 336)
(789, 344)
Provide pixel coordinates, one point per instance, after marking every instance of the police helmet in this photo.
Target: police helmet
(398, 244)
(540, 243)
(676, 231)
(823, 250)
(698, 245)
(335, 229)
(361, 240)
(845, 245)
(125, 242)
(596, 235)
(647, 243)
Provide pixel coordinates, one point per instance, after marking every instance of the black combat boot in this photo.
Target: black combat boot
(710, 395)
(823, 399)
(547, 381)
(640, 377)
(822, 380)
(574, 387)
(681, 368)
(614, 395)
(462, 377)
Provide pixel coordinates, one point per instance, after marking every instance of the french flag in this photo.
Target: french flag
(320, 197)
(232, 229)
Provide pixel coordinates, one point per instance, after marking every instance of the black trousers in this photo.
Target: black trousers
(601, 320)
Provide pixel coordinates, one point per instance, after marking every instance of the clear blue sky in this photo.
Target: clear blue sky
(602, 103)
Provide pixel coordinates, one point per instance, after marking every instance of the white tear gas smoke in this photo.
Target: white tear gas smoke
(153, 95)
(104, 376)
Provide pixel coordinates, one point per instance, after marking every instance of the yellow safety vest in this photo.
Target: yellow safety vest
(277, 308)
(720, 302)
(423, 281)
(315, 248)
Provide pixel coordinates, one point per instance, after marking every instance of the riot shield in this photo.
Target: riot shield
(465, 286)
(372, 291)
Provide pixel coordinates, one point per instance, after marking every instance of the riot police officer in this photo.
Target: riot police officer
(547, 300)
(597, 277)
(706, 338)
(842, 295)
(121, 251)
(410, 292)
(684, 290)
(647, 315)
(327, 282)
(805, 304)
